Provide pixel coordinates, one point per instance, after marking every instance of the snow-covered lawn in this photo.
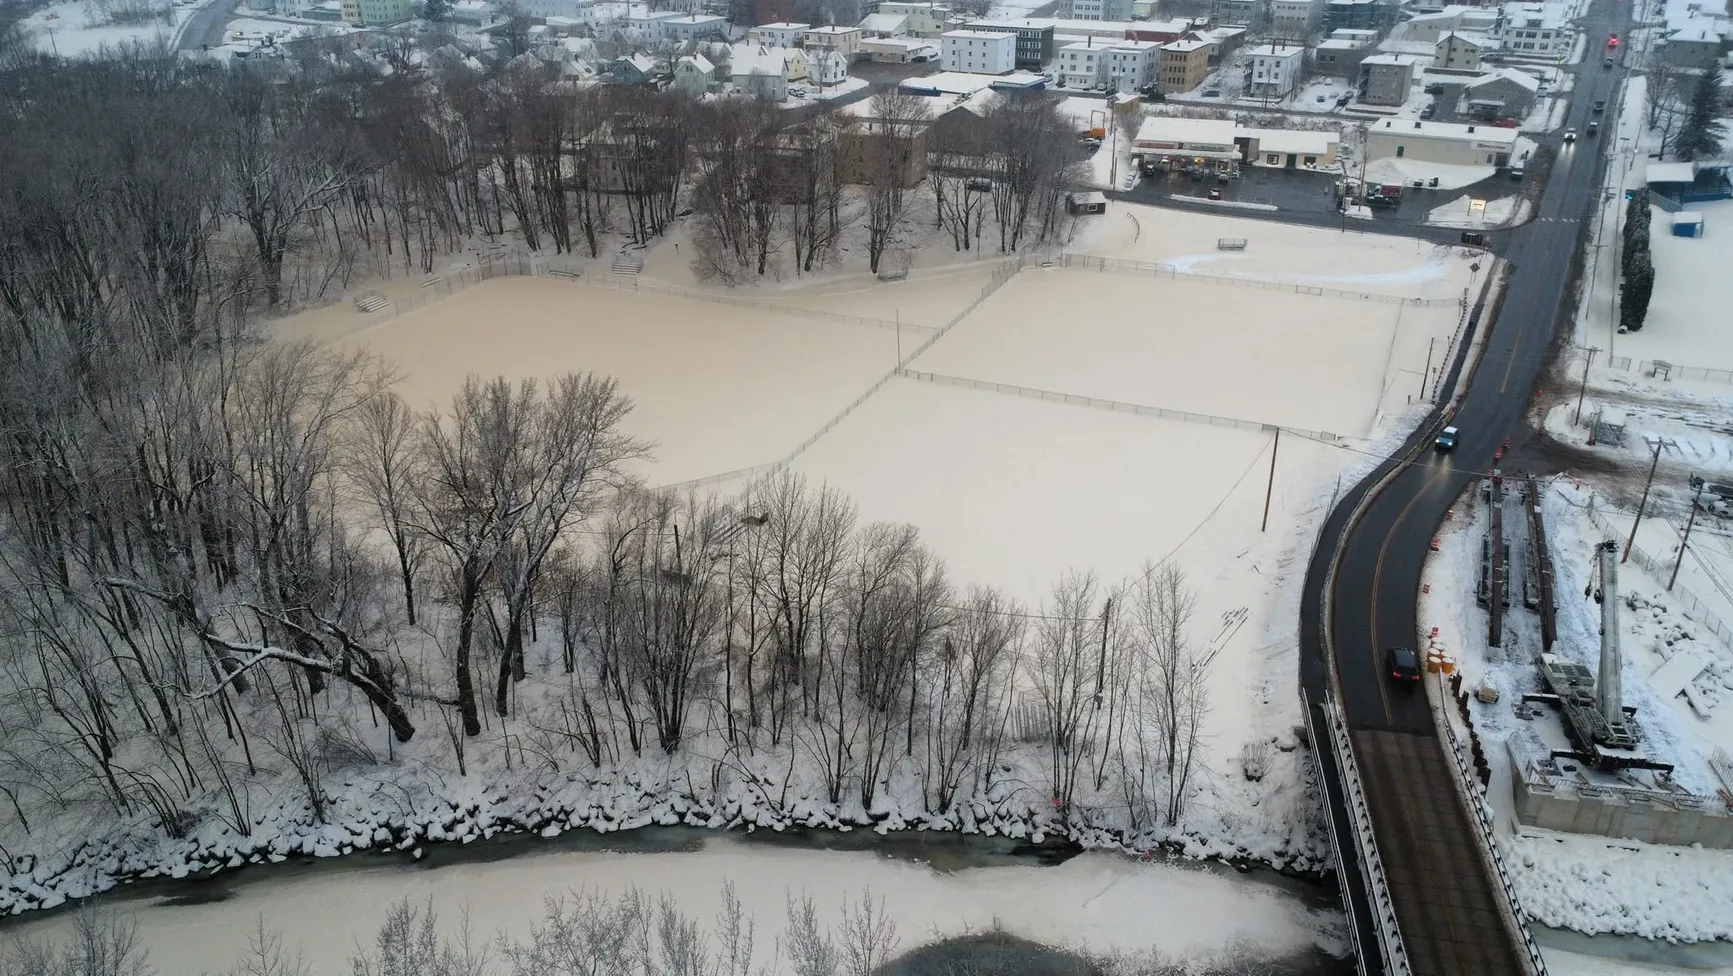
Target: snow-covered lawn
(1103, 902)
(1450, 176)
(82, 27)
(716, 387)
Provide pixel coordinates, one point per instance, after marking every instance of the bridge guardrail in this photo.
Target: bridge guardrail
(1366, 845)
(1488, 845)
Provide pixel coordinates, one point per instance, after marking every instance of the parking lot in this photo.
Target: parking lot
(1303, 192)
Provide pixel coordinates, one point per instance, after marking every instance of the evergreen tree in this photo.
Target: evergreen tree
(436, 11)
(1638, 285)
(1700, 137)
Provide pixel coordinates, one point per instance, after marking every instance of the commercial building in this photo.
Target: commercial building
(694, 27)
(1441, 142)
(1386, 79)
(1459, 52)
(882, 24)
(1296, 20)
(1505, 94)
(779, 34)
(1273, 70)
(899, 50)
(1172, 144)
(843, 40)
(648, 23)
(1238, 13)
(1159, 31)
(1361, 14)
(1533, 30)
(1429, 27)
(1034, 39)
(375, 13)
(1291, 148)
(1184, 65)
(978, 52)
(1339, 56)
(1101, 9)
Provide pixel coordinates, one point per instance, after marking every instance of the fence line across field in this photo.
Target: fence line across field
(1118, 406)
(1090, 262)
(1662, 369)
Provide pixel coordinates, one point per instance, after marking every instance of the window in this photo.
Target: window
(1401, 151)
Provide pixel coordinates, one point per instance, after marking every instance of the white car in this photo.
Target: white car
(1570, 135)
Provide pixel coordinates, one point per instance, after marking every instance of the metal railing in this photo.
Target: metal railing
(1117, 406)
(1366, 844)
(1474, 798)
(1090, 262)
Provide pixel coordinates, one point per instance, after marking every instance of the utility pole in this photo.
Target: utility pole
(1101, 663)
(1270, 488)
(1660, 442)
(1690, 521)
(1583, 391)
(1427, 372)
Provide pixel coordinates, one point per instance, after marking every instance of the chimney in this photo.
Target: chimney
(1417, 125)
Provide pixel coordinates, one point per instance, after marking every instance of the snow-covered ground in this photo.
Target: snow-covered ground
(83, 27)
(1450, 176)
(815, 95)
(1102, 902)
(1476, 213)
(1589, 883)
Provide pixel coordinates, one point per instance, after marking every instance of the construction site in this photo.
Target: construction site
(1581, 729)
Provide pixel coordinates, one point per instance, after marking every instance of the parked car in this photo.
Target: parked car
(1214, 193)
(1403, 665)
(1518, 171)
(1446, 439)
(1212, 93)
(1429, 111)
(1434, 89)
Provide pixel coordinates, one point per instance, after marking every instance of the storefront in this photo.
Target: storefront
(1196, 147)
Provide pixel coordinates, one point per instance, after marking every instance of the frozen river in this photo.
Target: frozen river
(935, 888)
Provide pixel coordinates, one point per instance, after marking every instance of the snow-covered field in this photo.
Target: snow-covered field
(1103, 902)
(82, 27)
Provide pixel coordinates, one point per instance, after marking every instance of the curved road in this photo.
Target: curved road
(1443, 897)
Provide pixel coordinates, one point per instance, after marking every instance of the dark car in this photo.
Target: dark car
(1600, 105)
(1446, 439)
(1403, 665)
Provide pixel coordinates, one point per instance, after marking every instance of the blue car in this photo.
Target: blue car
(1446, 440)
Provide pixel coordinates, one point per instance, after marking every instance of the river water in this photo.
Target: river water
(984, 898)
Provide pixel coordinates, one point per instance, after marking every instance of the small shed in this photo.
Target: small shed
(1090, 202)
(1688, 223)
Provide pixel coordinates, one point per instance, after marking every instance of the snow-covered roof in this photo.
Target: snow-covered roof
(1185, 45)
(833, 29)
(641, 62)
(1275, 51)
(981, 34)
(1390, 59)
(1446, 130)
(1210, 132)
(1466, 37)
(698, 61)
(910, 44)
(884, 23)
(1305, 142)
(785, 25)
(1670, 173)
(1528, 82)
(1342, 44)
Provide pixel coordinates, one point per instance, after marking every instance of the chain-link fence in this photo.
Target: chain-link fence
(1661, 369)
(1090, 262)
(1686, 601)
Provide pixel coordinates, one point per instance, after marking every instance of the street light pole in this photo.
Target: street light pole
(1428, 370)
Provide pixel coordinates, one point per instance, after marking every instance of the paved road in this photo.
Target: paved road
(205, 27)
(1444, 900)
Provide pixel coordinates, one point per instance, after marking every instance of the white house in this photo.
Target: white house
(648, 23)
(924, 19)
(694, 27)
(978, 52)
(1131, 65)
(1459, 52)
(1533, 30)
(843, 40)
(755, 71)
(1273, 70)
(827, 68)
(1079, 64)
(694, 74)
(782, 34)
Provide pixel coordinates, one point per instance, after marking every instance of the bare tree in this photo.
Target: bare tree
(1067, 649)
(968, 682)
(892, 145)
(1178, 671)
(384, 463)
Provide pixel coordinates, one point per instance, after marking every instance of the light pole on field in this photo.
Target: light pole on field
(1583, 391)
(1660, 443)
